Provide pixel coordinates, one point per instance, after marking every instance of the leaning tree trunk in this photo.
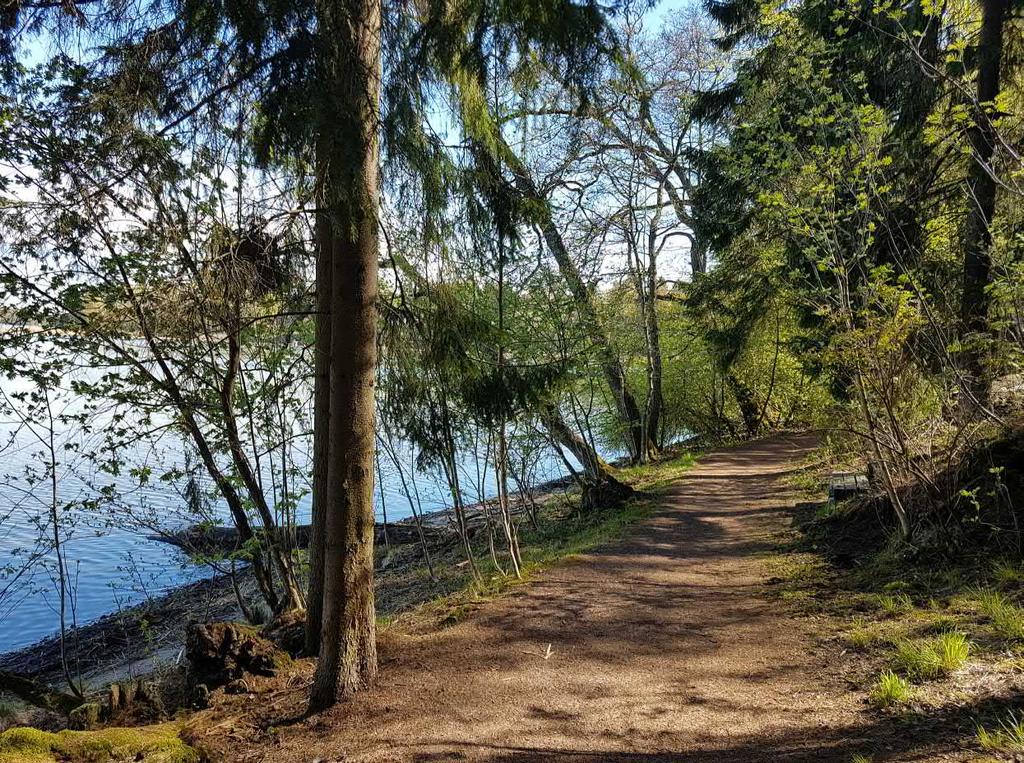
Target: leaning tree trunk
(321, 441)
(981, 191)
(615, 375)
(347, 171)
(291, 592)
(600, 487)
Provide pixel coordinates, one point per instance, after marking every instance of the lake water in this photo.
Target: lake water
(111, 562)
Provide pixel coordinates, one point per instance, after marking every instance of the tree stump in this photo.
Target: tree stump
(219, 653)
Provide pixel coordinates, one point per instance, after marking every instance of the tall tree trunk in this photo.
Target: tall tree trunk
(501, 449)
(981, 191)
(347, 169)
(652, 335)
(321, 425)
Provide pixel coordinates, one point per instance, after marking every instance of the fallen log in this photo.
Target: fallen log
(37, 694)
(219, 538)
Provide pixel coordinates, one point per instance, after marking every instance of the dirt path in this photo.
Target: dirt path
(666, 646)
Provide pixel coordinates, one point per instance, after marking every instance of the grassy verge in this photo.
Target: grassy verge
(561, 532)
(929, 640)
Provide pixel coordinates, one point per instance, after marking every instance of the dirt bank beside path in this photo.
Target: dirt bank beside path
(666, 646)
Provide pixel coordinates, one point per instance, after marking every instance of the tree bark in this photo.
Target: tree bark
(749, 409)
(600, 487)
(347, 170)
(652, 334)
(321, 425)
(981, 191)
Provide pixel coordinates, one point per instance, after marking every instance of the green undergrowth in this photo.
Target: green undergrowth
(932, 657)
(925, 632)
(1006, 737)
(659, 476)
(151, 744)
(890, 689)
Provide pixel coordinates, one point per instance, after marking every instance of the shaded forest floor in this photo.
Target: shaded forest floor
(680, 642)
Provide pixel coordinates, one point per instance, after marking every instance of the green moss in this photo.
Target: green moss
(152, 744)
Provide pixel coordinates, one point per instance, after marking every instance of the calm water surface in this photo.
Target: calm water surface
(111, 562)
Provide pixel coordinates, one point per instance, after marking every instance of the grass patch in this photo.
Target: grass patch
(580, 533)
(940, 624)
(1008, 737)
(659, 476)
(153, 744)
(889, 690)
(931, 658)
(894, 604)
(795, 567)
(953, 649)
(1006, 617)
(1005, 572)
(865, 635)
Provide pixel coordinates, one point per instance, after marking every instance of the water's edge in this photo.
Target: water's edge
(150, 634)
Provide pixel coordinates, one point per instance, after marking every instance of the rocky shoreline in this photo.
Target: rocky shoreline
(149, 636)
